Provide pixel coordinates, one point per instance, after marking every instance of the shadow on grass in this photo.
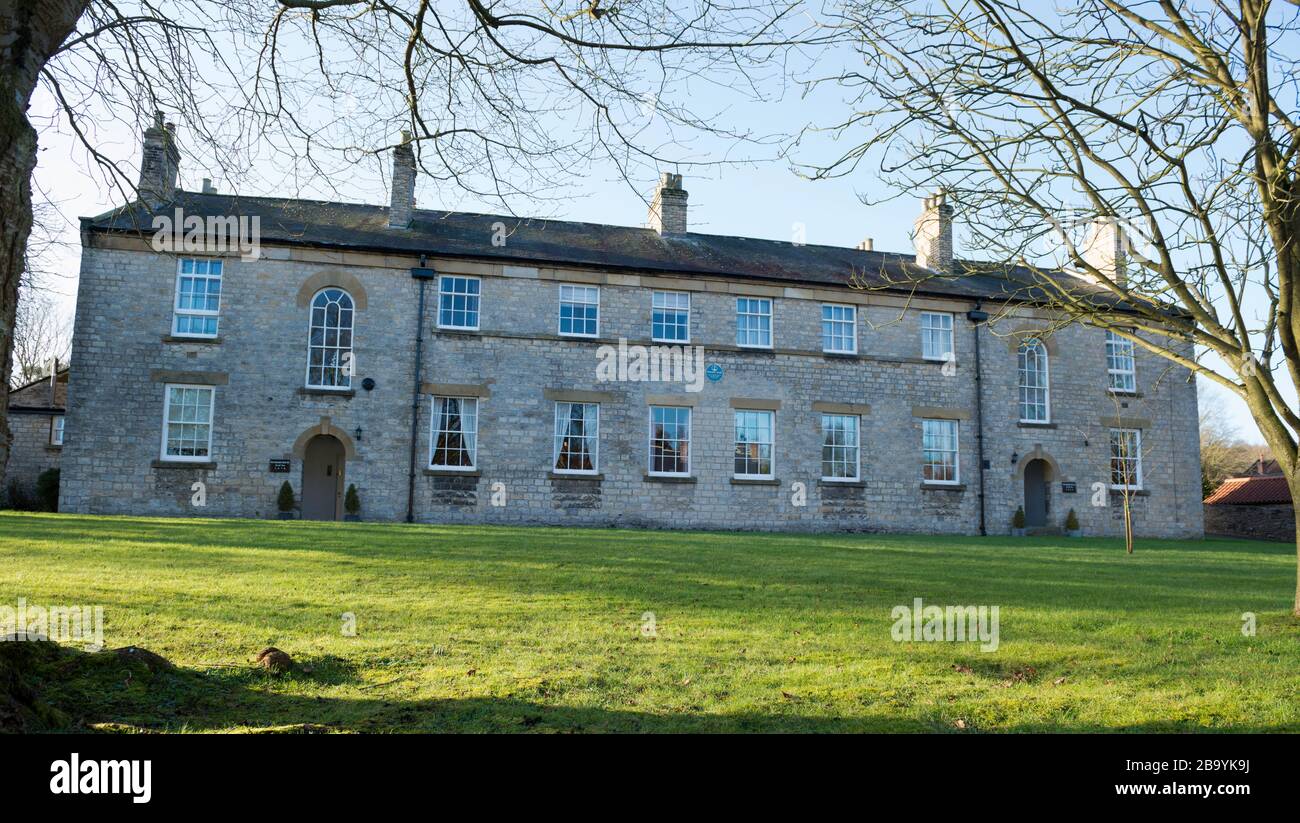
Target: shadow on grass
(66, 690)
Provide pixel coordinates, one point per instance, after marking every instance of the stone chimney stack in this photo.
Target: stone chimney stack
(867, 245)
(160, 161)
(668, 207)
(1106, 249)
(933, 234)
(403, 201)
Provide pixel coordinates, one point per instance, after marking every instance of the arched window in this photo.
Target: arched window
(1034, 405)
(329, 344)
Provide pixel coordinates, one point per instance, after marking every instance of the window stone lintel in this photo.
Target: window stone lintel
(827, 407)
(755, 404)
(198, 378)
(457, 389)
(573, 396)
(938, 413)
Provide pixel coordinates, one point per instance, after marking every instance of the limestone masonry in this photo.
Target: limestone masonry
(450, 368)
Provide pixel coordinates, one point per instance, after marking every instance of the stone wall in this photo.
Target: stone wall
(31, 452)
(122, 356)
(1264, 522)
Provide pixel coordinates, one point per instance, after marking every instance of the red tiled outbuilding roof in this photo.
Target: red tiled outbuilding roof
(1246, 491)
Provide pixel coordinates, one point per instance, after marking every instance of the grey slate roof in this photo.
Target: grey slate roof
(565, 243)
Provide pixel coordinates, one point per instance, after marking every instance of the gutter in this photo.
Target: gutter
(423, 275)
(978, 317)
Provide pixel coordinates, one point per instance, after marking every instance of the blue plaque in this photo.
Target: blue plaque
(714, 372)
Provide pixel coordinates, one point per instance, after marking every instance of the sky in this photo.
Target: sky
(767, 198)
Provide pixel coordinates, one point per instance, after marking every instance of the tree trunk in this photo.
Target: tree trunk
(1293, 482)
(31, 33)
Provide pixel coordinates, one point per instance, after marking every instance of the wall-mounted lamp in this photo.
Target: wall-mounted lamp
(357, 434)
(1015, 457)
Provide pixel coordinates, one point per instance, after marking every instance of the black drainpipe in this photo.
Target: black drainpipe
(978, 317)
(423, 275)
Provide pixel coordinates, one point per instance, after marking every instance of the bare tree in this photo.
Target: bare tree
(1223, 450)
(502, 98)
(1175, 122)
(42, 339)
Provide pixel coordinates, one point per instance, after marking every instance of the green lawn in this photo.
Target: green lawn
(510, 629)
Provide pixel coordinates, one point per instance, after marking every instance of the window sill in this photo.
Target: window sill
(1026, 424)
(840, 355)
(943, 487)
(1124, 393)
(182, 464)
(938, 361)
(575, 476)
(755, 481)
(1130, 492)
(54, 447)
(452, 473)
(458, 330)
(846, 484)
(180, 338)
(669, 478)
(308, 391)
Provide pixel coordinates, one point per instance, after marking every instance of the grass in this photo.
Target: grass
(513, 629)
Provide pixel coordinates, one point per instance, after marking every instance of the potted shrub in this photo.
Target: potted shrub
(285, 501)
(1072, 524)
(1018, 522)
(352, 504)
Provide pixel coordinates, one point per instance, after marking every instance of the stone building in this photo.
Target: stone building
(1254, 503)
(468, 368)
(36, 415)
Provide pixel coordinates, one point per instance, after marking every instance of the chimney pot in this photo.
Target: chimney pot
(933, 234)
(668, 205)
(1105, 248)
(160, 162)
(867, 245)
(402, 204)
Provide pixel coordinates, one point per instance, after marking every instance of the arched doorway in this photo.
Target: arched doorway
(322, 478)
(1038, 499)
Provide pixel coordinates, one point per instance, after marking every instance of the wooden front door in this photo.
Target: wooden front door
(322, 478)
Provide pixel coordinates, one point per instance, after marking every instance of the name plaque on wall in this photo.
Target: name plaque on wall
(279, 467)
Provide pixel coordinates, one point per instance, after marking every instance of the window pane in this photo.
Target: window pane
(579, 310)
(670, 439)
(840, 455)
(753, 322)
(1126, 458)
(576, 436)
(753, 443)
(188, 421)
(458, 302)
(330, 362)
(936, 336)
(670, 316)
(454, 432)
(198, 297)
(839, 329)
(939, 451)
(1120, 362)
(1032, 367)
